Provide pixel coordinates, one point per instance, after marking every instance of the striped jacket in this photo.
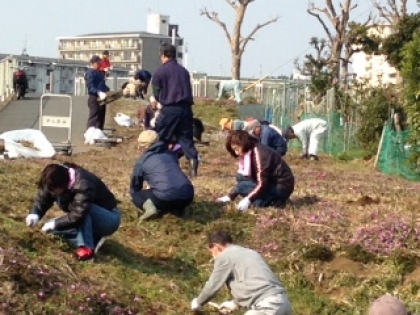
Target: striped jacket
(268, 167)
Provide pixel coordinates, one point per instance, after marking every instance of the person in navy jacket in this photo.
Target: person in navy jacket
(97, 89)
(172, 89)
(169, 190)
(268, 136)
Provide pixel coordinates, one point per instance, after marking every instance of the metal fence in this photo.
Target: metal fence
(288, 103)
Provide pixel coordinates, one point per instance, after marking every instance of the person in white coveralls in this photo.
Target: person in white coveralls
(309, 132)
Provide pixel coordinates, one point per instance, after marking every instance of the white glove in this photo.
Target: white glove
(244, 204)
(101, 95)
(48, 226)
(228, 306)
(152, 99)
(32, 220)
(224, 199)
(159, 106)
(195, 306)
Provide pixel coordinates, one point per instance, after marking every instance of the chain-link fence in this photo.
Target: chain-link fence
(287, 103)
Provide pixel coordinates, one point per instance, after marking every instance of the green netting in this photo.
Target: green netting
(394, 155)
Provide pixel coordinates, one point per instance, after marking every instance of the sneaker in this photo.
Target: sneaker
(100, 243)
(84, 253)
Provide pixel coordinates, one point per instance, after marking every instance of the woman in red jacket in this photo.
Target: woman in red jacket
(264, 178)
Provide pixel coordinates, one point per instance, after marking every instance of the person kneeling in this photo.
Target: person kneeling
(263, 178)
(170, 189)
(91, 208)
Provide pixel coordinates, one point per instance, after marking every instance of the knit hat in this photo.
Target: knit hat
(147, 138)
(251, 125)
(223, 122)
(238, 124)
(387, 305)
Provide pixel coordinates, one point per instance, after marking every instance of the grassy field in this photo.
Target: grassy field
(348, 235)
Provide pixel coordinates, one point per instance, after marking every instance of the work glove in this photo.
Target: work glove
(32, 220)
(101, 95)
(228, 307)
(224, 199)
(244, 204)
(48, 226)
(195, 306)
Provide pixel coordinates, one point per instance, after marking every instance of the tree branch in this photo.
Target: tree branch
(214, 16)
(324, 26)
(245, 40)
(232, 3)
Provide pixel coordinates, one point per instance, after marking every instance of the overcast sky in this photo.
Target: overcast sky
(273, 51)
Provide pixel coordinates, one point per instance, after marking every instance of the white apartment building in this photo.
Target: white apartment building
(133, 50)
(374, 70)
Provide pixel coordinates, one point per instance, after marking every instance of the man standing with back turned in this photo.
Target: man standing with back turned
(172, 89)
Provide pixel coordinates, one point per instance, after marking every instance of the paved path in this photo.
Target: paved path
(24, 114)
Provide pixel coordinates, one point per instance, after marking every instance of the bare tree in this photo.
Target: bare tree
(392, 11)
(236, 41)
(336, 31)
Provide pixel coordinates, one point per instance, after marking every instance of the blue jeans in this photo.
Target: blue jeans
(98, 222)
(271, 195)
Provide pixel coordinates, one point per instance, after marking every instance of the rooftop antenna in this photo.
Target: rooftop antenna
(24, 47)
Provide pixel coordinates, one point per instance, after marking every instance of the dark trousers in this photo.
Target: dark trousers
(97, 113)
(272, 196)
(175, 206)
(176, 122)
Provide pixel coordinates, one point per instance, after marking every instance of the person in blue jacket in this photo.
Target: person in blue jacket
(169, 190)
(268, 136)
(97, 89)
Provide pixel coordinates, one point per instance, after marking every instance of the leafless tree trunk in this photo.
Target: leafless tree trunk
(392, 11)
(336, 32)
(237, 43)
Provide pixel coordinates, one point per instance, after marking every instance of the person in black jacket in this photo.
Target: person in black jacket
(170, 189)
(90, 208)
(264, 178)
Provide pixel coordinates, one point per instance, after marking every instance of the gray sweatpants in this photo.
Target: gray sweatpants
(274, 305)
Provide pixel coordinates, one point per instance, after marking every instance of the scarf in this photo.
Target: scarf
(72, 174)
(176, 147)
(245, 164)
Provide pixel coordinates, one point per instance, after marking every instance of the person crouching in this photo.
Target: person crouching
(169, 190)
(263, 179)
(91, 208)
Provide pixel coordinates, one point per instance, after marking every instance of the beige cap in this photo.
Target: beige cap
(148, 138)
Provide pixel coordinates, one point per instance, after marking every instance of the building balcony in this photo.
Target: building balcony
(68, 48)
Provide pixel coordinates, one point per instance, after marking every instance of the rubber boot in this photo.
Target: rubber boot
(193, 168)
(150, 210)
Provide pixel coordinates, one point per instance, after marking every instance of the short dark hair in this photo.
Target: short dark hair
(242, 139)
(55, 176)
(168, 50)
(219, 237)
(105, 52)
